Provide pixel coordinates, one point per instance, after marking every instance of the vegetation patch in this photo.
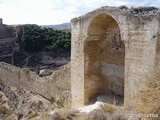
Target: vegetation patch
(36, 39)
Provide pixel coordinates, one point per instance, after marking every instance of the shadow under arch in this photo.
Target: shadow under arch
(104, 58)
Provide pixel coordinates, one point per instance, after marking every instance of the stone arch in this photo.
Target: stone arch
(104, 57)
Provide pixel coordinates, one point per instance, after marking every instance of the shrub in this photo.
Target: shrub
(36, 39)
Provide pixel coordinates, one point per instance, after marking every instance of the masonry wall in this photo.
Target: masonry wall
(140, 58)
(83, 89)
(138, 32)
(1, 21)
(157, 64)
(77, 64)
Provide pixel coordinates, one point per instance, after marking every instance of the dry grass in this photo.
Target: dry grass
(68, 114)
(149, 100)
(107, 112)
(59, 114)
(108, 108)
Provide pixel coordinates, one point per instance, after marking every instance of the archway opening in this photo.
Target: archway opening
(104, 60)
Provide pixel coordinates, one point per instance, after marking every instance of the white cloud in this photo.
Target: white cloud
(57, 11)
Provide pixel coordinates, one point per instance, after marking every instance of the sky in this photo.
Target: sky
(49, 12)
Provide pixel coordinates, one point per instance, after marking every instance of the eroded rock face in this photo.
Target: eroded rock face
(113, 48)
(20, 100)
(50, 87)
(18, 103)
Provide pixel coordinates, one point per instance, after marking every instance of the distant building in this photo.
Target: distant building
(8, 42)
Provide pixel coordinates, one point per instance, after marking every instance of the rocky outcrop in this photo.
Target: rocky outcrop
(20, 104)
(17, 103)
(52, 87)
(26, 96)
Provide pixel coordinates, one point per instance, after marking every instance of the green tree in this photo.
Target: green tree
(32, 39)
(36, 39)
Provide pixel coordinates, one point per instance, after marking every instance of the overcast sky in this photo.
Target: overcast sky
(43, 12)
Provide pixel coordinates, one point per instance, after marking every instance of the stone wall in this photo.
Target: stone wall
(112, 49)
(7, 31)
(8, 43)
(1, 21)
(49, 86)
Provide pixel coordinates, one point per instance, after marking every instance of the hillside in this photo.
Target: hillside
(64, 26)
(39, 48)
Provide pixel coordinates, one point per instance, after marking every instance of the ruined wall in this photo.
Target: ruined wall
(1, 21)
(50, 86)
(97, 63)
(8, 43)
(6, 31)
(157, 63)
(140, 54)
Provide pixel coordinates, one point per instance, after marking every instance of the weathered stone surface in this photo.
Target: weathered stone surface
(112, 50)
(20, 104)
(50, 87)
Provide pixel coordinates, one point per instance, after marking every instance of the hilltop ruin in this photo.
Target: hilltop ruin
(113, 48)
(8, 42)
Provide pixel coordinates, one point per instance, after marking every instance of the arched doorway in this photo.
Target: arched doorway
(104, 58)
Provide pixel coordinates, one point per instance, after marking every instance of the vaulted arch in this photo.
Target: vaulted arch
(104, 57)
